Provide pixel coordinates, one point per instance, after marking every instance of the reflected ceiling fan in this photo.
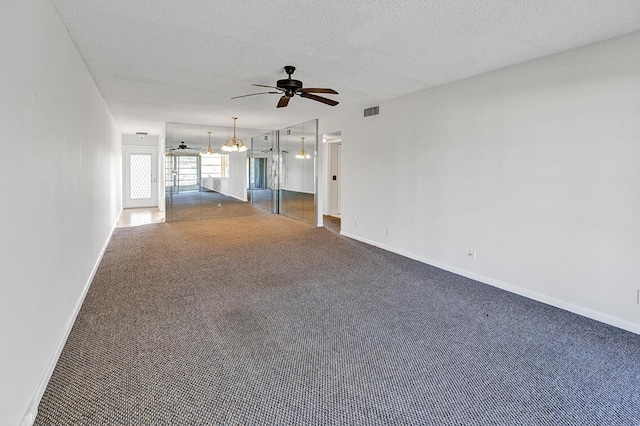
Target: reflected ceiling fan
(289, 87)
(264, 151)
(182, 147)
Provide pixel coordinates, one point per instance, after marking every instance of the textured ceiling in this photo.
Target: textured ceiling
(159, 61)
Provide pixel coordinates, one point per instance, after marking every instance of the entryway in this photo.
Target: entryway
(140, 176)
(140, 216)
(332, 206)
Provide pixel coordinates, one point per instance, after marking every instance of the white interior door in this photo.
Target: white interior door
(339, 182)
(140, 176)
(334, 179)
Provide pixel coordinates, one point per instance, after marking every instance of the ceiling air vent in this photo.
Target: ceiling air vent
(368, 112)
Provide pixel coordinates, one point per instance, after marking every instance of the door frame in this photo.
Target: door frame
(330, 165)
(126, 176)
(334, 187)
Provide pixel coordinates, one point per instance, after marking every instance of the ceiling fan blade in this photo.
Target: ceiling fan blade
(264, 85)
(319, 99)
(283, 102)
(253, 94)
(317, 90)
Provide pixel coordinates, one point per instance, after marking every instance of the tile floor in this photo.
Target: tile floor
(141, 216)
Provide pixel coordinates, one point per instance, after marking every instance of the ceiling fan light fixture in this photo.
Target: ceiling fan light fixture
(234, 144)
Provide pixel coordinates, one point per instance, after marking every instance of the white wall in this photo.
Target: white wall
(535, 166)
(238, 175)
(61, 192)
(299, 174)
(135, 140)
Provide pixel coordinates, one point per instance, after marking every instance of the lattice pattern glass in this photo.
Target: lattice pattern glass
(140, 173)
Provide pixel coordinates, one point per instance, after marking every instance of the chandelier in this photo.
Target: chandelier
(234, 144)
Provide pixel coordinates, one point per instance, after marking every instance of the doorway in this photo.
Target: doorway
(334, 184)
(263, 168)
(140, 176)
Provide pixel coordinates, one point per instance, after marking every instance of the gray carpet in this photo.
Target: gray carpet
(331, 223)
(196, 205)
(298, 205)
(267, 321)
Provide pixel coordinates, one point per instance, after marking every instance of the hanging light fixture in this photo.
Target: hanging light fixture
(209, 151)
(303, 152)
(234, 144)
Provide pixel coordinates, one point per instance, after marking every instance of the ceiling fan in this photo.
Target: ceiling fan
(182, 147)
(264, 151)
(289, 87)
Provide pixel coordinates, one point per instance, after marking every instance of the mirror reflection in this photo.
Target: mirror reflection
(263, 164)
(201, 181)
(277, 174)
(297, 171)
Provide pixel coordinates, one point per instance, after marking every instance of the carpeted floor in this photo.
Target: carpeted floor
(196, 205)
(267, 321)
(298, 205)
(331, 223)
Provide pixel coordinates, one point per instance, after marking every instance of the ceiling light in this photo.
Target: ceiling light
(234, 144)
(303, 153)
(209, 151)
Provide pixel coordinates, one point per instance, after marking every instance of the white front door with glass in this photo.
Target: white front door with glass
(140, 177)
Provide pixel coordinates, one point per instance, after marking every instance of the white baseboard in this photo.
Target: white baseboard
(32, 411)
(237, 198)
(558, 303)
(29, 418)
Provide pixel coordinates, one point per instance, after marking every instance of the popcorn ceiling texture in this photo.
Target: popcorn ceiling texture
(171, 60)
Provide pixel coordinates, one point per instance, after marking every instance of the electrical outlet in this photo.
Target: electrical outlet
(357, 223)
(473, 254)
(388, 232)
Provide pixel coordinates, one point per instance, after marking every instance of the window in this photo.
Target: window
(215, 165)
(187, 171)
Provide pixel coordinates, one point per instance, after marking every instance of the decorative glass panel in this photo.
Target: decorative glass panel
(140, 173)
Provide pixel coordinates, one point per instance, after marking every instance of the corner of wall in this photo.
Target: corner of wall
(32, 410)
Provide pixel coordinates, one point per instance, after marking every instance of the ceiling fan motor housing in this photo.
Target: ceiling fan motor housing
(289, 85)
